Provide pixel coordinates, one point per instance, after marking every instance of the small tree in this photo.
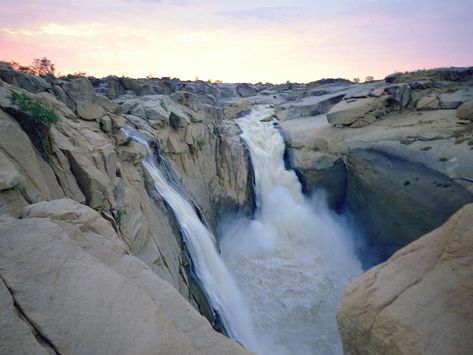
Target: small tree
(43, 67)
(17, 66)
(369, 78)
(356, 80)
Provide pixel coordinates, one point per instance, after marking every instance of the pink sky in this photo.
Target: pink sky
(278, 40)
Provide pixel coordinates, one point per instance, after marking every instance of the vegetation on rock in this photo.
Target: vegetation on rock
(36, 119)
(41, 67)
(174, 120)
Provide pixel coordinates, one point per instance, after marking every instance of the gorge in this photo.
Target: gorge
(255, 205)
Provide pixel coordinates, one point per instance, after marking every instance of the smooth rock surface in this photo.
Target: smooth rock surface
(417, 302)
(357, 112)
(71, 275)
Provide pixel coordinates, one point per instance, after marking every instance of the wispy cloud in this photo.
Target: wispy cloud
(267, 40)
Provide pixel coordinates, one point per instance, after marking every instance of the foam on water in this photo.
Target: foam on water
(293, 261)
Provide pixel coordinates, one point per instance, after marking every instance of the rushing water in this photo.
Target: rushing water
(293, 261)
(281, 275)
(220, 287)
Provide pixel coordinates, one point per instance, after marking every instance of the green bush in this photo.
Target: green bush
(118, 216)
(36, 119)
(174, 120)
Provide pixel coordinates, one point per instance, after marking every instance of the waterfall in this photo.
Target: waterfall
(220, 287)
(294, 259)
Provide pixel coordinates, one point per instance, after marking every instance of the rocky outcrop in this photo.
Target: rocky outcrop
(93, 161)
(86, 232)
(357, 113)
(66, 274)
(394, 165)
(465, 111)
(417, 302)
(308, 106)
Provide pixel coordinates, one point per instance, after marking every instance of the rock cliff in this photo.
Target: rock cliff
(417, 302)
(80, 256)
(398, 155)
(82, 232)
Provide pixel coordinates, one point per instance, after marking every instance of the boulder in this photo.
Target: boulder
(62, 261)
(82, 92)
(391, 78)
(106, 124)
(80, 89)
(31, 83)
(455, 99)
(9, 175)
(357, 113)
(107, 104)
(133, 152)
(465, 111)
(24, 169)
(400, 94)
(308, 106)
(236, 107)
(193, 101)
(417, 302)
(429, 102)
(92, 182)
(246, 90)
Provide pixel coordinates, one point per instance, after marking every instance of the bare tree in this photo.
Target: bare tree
(369, 78)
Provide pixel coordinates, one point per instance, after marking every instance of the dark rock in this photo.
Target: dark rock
(391, 78)
(391, 212)
(246, 90)
(400, 94)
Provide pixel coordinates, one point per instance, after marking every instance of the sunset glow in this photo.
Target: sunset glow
(234, 41)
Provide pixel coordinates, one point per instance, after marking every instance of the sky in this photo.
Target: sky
(240, 40)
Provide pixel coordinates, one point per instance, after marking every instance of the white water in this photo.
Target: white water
(223, 293)
(293, 261)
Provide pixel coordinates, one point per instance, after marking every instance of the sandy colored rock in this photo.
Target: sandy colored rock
(32, 176)
(417, 302)
(236, 107)
(455, 99)
(9, 175)
(17, 335)
(357, 113)
(465, 111)
(429, 102)
(78, 266)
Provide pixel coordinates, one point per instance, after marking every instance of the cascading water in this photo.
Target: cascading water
(220, 287)
(293, 261)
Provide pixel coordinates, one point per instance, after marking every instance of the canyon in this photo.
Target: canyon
(186, 217)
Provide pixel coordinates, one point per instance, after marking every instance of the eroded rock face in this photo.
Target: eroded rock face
(71, 275)
(94, 162)
(392, 154)
(417, 302)
(394, 173)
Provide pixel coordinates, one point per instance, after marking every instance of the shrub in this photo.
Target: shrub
(118, 216)
(174, 120)
(36, 119)
(42, 67)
